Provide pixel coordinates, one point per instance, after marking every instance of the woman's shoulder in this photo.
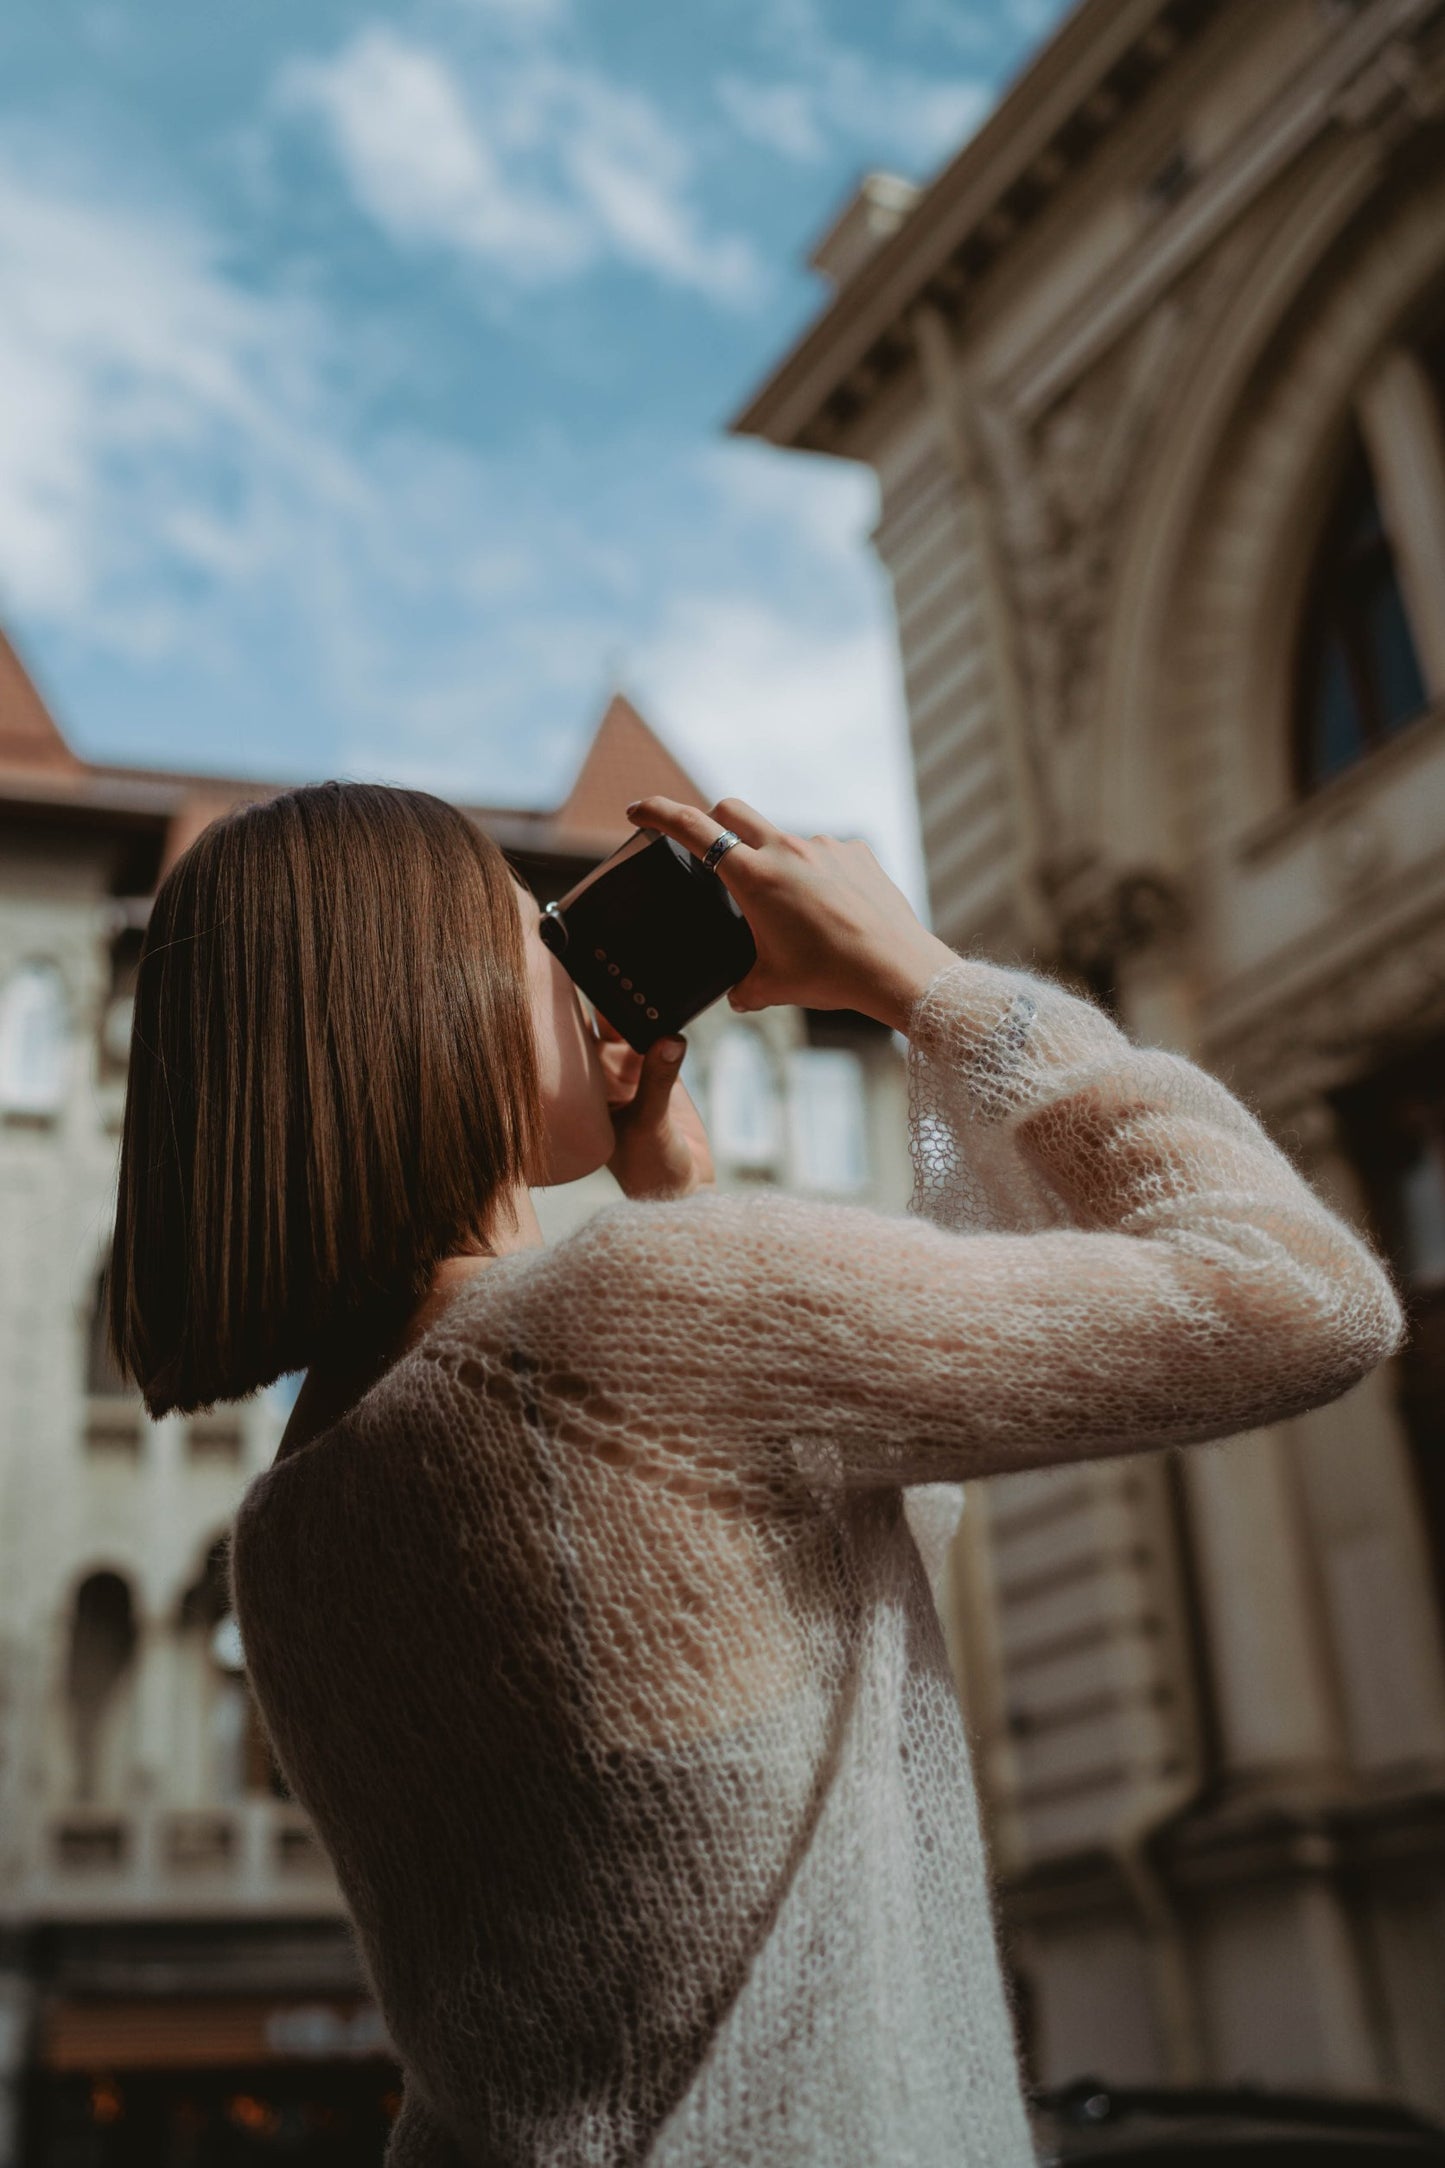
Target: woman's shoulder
(388, 1462)
(635, 1275)
(684, 1235)
(640, 1273)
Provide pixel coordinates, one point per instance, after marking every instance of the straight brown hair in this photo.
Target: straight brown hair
(332, 1078)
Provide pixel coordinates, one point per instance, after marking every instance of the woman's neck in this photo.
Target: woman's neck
(334, 1383)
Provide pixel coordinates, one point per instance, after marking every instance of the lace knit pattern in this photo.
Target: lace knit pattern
(598, 1643)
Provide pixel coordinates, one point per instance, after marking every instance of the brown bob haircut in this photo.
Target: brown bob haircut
(332, 1078)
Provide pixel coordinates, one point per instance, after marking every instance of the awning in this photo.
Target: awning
(104, 2035)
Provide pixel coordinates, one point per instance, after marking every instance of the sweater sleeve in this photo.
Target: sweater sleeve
(418, 2139)
(1178, 1280)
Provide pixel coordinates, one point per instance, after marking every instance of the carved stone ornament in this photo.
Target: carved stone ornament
(1378, 1006)
(1133, 911)
(1354, 853)
(1059, 488)
(1400, 87)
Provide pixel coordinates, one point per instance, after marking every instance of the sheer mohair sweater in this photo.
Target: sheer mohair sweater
(599, 1647)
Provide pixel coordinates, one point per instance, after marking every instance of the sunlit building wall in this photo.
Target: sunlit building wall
(1153, 380)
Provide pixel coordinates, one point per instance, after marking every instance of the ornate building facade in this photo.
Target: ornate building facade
(175, 1974)
(1153, 380)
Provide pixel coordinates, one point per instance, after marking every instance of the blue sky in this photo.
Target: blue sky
(362, 374)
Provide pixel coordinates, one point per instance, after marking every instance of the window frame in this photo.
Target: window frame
(1330, 620)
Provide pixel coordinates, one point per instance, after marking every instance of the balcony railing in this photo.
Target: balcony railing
(91, 1843)
(217, 1438)
(113, 1425)
(255, 1855)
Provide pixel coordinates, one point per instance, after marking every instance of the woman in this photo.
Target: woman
(580, 1601)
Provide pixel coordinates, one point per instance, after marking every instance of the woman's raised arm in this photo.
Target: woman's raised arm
(1181, 1282)
(1128, 1262)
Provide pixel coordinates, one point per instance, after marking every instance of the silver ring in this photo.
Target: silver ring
(717, 849)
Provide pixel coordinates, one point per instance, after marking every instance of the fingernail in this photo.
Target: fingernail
(631, 809)
(673, 1049)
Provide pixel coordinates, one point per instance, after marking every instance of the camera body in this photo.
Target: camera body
(650, 937)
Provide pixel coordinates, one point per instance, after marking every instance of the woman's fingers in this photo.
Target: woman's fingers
(662, 1148)
(695, 830)
(660, 1069)
(688, 825)
(832, 931)
(745, 821)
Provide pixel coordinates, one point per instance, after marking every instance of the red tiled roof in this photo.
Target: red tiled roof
(625, 760)
(198, 808)
(29, 738)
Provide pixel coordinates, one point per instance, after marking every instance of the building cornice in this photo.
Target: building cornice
(1099, 63)
(121, 799)
(1316, 1015)
(625, 758)
(1369, 78)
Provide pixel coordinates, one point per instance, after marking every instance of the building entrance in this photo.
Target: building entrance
(327, 2115)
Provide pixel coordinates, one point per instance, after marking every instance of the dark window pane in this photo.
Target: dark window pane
(1337, 738)
(1395, 1125)
(1421, 1210)
(103, 1377)
(1366, 528)
(1393, 662)
(1359, 671)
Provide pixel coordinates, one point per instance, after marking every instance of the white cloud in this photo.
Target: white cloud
(894, 112)
(125, 354)
(833, 93)
(632, 173)
(1036, 16)
(187, 502)
(549, 169)
(818, 511)
(418, 165)
(784, 687)
(799, 719)
(979, 29)
(527, 13)
(782, 117)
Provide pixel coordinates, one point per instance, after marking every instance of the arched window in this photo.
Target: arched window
(1360, 678)
(102, 1650)
(34, 1040)
(103, 1380)
(228, 1755)
(747, 1128)
(119, 1007)
(1395, 1121)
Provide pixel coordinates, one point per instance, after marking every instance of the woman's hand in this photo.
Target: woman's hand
(662, 1149)
(832, 931)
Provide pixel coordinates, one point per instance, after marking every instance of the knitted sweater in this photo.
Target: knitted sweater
(597, 1642)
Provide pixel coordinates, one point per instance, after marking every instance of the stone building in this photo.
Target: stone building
(1152, 376)
(172, 1955)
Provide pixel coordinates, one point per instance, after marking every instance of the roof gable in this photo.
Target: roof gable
(29, 738)
(625, 760)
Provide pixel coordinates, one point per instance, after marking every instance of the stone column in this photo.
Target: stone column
(1275, 1703)
(1360, 1503)
(1268, 1945)
(1399, 414)
(1278, 1723)
(948, 398)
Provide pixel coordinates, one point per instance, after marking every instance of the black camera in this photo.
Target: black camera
(651, 937)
